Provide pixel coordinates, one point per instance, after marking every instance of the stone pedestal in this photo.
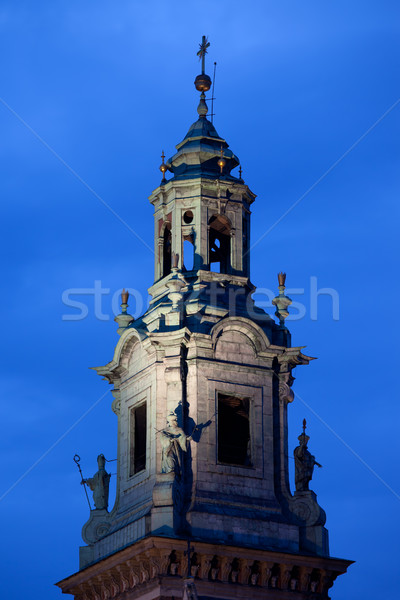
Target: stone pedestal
(162, 514)
(312, 518)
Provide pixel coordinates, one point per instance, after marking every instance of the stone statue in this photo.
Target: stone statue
(173, 442)
(304, 462)
(99, 484)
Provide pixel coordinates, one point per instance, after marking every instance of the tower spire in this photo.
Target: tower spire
(203, 81)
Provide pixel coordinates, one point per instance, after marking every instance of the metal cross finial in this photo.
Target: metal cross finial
(203, 51)
(304, 426)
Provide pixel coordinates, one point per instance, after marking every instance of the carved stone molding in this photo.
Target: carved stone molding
(157, 560)
(205, 565)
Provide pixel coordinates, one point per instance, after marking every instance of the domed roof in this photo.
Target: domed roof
(199, 152)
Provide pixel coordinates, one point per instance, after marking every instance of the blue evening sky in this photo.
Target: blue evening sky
(107, 86)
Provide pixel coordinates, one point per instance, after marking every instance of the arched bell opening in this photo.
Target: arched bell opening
(188, 253)
(166, 261)
(219, 244)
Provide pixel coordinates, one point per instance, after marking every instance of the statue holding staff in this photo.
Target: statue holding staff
(304, 462)
(99, 484)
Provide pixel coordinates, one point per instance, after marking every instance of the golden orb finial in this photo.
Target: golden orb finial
(203, 82)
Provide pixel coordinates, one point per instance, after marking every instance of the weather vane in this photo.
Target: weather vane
(203, 51)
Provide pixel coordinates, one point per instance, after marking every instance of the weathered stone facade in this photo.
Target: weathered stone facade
(220, 369)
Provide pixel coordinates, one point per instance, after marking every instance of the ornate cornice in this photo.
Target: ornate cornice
(162, 562)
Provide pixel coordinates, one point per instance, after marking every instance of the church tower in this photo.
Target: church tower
(201, 385)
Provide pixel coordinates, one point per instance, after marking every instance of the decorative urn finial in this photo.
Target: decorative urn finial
(124, 299)
(124, 318)
(281, 278)
(281, 301)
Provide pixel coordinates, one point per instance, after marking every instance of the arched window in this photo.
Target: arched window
(219, 243)
(188, 254)
(166, 250)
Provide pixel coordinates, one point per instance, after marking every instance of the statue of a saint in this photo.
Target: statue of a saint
(173, 442)
(304, 462)
(99, 484)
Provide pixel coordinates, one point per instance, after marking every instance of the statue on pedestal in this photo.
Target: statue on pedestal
(173, 442)
(304, 462)
(99, 484)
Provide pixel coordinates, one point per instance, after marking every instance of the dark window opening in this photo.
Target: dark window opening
(167, 250)
(188, 217)
(138, 439)
(234, 446)
(219, 238)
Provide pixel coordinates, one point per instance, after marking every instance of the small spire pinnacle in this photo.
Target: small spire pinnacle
(304, 426)
(240, 171)
(163, 167)
(222, 161)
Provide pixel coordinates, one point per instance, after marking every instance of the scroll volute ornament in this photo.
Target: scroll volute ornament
(327, 580)
(305, 577)
(286, 394)
(286, 577)
(83, 593)
(265, 573)
(114, 586)
(123, 580)
(205, 565)
(95, 594)
(134, 575)
(144, 570)
(244, 570)
(225, 568)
